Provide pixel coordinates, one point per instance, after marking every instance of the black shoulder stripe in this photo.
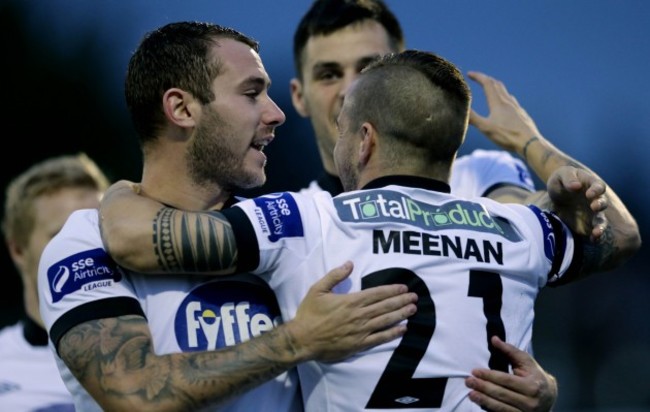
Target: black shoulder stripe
(248, 250)
(576, 263)
(99, 309)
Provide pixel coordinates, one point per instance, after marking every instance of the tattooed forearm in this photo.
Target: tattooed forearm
(114, 360)
(193, 242)
(232, 371)
(600, 256)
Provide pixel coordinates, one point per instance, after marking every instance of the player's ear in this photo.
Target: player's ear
(180, 107)
(17, 254)
(295, 88)
(367, 145)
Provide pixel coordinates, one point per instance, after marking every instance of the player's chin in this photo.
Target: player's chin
(252, 178)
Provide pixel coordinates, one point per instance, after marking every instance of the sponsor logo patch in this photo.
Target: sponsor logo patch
(389, 206)
(548, 233)
(86, 270)
(278, 216)
(222, 313)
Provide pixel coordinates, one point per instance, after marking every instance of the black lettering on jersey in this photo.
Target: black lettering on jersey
(423, 243)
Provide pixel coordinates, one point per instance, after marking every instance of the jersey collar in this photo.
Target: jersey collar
(330, 183)
(410, 181)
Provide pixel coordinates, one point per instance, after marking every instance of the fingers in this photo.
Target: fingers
(383, 336)
(476, 119)
(492, 397)
(380, 310)
(380, 306)
(530, 388)
(384, 319)
(126, 184)
(483, 79)
(390, 311)
(569, 179)
(516, 356)
(599, 203)
(334, 277)
(599, 225)
(494, 89)
(574, 179)
(376, 300)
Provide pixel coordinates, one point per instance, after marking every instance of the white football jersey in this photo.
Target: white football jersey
(80, 282)
(472, 175)
(477, 173)
(29, 378)
(476, 265)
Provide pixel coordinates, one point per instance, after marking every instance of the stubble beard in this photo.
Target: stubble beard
(349, 176)
(212, 160)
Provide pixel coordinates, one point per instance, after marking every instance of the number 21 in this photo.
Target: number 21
(396, 387)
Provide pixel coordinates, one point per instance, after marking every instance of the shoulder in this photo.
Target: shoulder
(481, 159)
(281, 201)
(82, 218)
(312, 189)
(79, 233)
(476, 173)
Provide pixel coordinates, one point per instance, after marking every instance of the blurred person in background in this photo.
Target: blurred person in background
(37, 204)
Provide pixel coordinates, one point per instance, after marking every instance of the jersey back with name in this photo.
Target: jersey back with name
(477, 267)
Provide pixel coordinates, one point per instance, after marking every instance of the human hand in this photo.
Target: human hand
(578, 197)
(528, 388)
(333, 326)
(126, 225)
(121, 185)
(507, 124)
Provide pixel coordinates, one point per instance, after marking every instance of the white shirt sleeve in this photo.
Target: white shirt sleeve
(75, 269)
(474, 174)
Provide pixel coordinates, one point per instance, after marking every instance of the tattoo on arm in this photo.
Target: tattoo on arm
(111, 358)
(193, 242)
(524, 151)
(598, 257)
(114, 360)
(560, 158)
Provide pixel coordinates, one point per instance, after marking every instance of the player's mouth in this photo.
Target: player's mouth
(260, 144)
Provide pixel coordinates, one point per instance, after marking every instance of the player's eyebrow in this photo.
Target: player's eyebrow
(363, 62)
(256, 81)
(324, 66)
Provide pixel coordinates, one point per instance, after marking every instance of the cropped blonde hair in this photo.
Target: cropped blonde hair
(43, 178)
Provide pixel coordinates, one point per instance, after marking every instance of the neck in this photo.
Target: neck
(170, 184)
(372, 172)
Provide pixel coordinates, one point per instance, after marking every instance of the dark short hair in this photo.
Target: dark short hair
(327, 16)
(175, 55)
(418, 99)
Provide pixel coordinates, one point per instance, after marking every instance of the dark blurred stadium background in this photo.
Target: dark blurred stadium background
(580, 68)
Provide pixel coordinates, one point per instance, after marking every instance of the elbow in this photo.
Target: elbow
(632, 242)
(628, 243)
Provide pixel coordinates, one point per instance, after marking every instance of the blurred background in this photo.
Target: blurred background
(580, 68)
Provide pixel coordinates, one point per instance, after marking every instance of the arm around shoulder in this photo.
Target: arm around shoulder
(143, 235)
